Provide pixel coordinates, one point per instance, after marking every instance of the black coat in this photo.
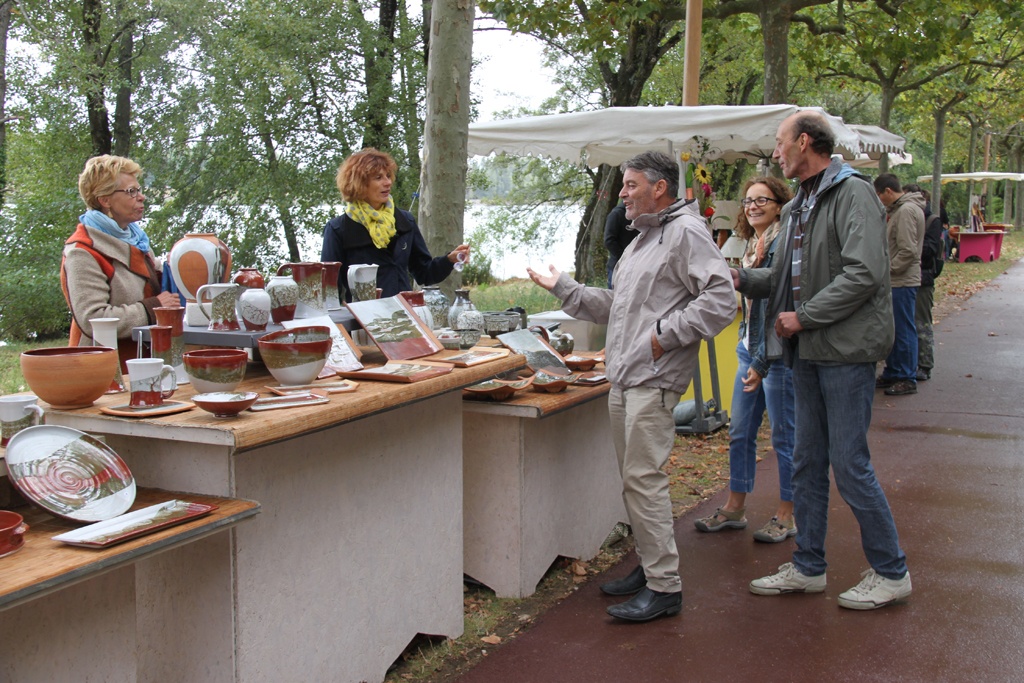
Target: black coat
(350, 243)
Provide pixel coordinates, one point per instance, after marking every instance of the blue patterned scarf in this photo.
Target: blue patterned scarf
(133, 234)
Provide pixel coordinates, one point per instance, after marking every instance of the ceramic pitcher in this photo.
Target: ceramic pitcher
(309, 278)
(332, 269)
(218, 303)
(284, 296)
(362, 281)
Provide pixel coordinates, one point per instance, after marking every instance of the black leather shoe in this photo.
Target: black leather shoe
(627, 585)
(647, 605)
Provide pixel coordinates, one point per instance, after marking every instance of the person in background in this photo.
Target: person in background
(760, 381)
(931, 265)
(830, 313)
(108, 269)
(373, 231)
(905, 234)
(617, 236)
(672, 289)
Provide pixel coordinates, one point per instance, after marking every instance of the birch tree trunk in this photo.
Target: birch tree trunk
(445, 138)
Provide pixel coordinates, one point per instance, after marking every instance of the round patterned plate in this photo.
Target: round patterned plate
(69, 473)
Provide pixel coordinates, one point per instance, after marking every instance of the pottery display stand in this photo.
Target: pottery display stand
(540, 480)
(359, 495)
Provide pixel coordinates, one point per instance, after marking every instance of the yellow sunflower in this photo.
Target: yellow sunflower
(701, 175)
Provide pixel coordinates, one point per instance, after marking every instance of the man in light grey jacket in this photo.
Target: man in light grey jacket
(672, 289)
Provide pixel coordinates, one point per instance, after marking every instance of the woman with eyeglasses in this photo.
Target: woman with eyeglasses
(760, 382)
(372, 230)
(108, 269)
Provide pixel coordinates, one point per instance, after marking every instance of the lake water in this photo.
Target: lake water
(510, 259)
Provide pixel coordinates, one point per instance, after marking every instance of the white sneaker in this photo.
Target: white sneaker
(875, 591)
(788, 580)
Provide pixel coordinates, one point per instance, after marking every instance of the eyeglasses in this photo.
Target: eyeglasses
(132, 192)
(758, 201)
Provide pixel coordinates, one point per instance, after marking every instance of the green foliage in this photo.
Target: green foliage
(522, 293)
(477, 272)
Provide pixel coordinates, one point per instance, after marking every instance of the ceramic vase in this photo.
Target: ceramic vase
(284, 296)
(254, 309)
(198, 259)
(463, 305)
(331, 273)
(310, 279)
(248, 277)
(419, 307)
(104, 333)
(160, 343)
(174, 317)
(362, 281)
(438, 304)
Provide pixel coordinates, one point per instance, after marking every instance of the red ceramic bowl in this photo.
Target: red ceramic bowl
(12, 532)
(296, 356)
(212, 370)
(69, 376)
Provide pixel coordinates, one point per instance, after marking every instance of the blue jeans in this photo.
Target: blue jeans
(775, 393)
(902, 360)
(833, 413)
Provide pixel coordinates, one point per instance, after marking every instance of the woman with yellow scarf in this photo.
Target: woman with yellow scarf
(372, 230)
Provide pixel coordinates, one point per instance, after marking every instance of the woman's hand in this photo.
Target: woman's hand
(168, 299)
(752, 381)
(462, 249)
(545, 281)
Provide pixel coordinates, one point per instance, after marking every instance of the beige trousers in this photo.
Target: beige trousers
(643, 432)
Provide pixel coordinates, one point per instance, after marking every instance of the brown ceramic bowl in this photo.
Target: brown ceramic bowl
(296, 356)
(225, 403)
(12, 532)
(213, 370)
(69, 376)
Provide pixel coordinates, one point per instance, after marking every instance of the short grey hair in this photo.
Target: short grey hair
(655, 166)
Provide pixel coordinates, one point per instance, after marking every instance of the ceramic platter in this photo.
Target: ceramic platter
(69, 473)
(308, 398)
(496, 389)
(167, 408)
(133, 524)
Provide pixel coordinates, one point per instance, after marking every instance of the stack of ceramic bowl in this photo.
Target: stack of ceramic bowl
(296, 356)
(69, 376)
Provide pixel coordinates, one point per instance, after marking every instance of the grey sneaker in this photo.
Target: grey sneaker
(875, 591)
(788, 580)
(903, 387)
(775, 531)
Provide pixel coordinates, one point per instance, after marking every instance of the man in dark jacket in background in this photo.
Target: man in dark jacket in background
(932, 257)
(617, 236)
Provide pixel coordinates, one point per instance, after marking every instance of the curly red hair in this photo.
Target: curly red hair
(780, 193)
(355, 173)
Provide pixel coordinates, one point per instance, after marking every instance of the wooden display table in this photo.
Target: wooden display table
(541, 481)
(359, 546)
(73, 614)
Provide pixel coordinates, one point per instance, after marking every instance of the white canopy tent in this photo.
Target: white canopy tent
(977, 176)
(876, 141)
(613, 135)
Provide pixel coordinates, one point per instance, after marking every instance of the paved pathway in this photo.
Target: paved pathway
(951, 459)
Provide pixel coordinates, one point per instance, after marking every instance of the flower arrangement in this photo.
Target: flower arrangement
(698, 182)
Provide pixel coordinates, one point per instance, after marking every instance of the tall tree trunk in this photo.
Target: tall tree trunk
(446, 134)
(5, 27)
(379, 62)
(283, 207)
(775, 21)
(940, 141)
(591, 254)
(123, 104)
(99, 123)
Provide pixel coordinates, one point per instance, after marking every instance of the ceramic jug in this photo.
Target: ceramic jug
(198, 259)
(438, 304)
(284, 296)
(362, 281)
(218, 304)
(309, 277)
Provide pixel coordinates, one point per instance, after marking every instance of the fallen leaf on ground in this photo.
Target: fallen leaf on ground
(491, 639)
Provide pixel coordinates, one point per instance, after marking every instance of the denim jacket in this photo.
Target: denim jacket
(752, 324)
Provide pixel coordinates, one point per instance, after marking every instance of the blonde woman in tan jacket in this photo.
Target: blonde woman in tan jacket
(108, 269)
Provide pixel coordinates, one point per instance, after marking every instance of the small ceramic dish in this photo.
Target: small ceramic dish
(468, 337)
(225, 403)
(580, 363)
(450, 341)
(552, 384)
(496, 389)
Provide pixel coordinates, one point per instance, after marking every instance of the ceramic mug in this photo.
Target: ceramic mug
(12, 532)
(149, 379)
(17, 413)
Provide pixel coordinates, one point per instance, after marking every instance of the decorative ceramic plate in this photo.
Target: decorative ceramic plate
(496, 389)
(552, 384)
(309, 398)
(69, 473)
(580, 363)
(589, 379)
(338, 387)
(168, 408)
(133, 524)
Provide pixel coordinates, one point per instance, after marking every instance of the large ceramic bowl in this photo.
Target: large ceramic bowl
(213, 370)
(225, 403)
(496, 322)
(69, 376)
(296, 356)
